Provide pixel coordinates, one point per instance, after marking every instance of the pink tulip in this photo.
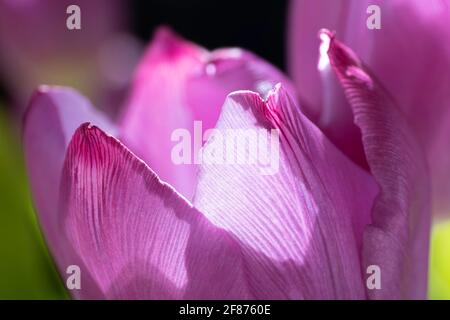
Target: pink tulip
(111, 201)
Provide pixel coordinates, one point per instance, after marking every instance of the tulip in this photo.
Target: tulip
(111, 201)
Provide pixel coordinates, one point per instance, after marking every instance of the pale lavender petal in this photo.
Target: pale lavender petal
(414, 71)
(137, 236)
(397, 240)
(323, 99)
(306, 18)
(53, 116)
(298, 220)
(410, 55)
(176, 83)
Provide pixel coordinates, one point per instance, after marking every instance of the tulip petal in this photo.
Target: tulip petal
(177, 83)
(52, 118)
(325, 103)
(138, 237)
(306, 18)
(439, 161)
(297, 219)
(409, 54)
(397, 240)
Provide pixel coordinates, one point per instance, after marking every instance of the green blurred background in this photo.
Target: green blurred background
(26, 268)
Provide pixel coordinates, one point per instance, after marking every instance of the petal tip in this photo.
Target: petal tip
(165, 34)
(170, 44)
(87, 130)
(325, 33)
(266, 105)
(339, 54)
(48, 90)
(344, 60)
(41, 92)
(274, 90)
(326, 37)
(45, 91)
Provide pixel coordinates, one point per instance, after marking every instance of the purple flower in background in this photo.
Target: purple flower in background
(37, 47)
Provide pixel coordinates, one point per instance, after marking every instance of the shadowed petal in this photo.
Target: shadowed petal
(439, 162)
(296, 217)
(137, 236)
(53, 115)
(397, 240)
(176, 83)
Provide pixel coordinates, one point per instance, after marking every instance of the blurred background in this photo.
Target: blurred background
(98, 60)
